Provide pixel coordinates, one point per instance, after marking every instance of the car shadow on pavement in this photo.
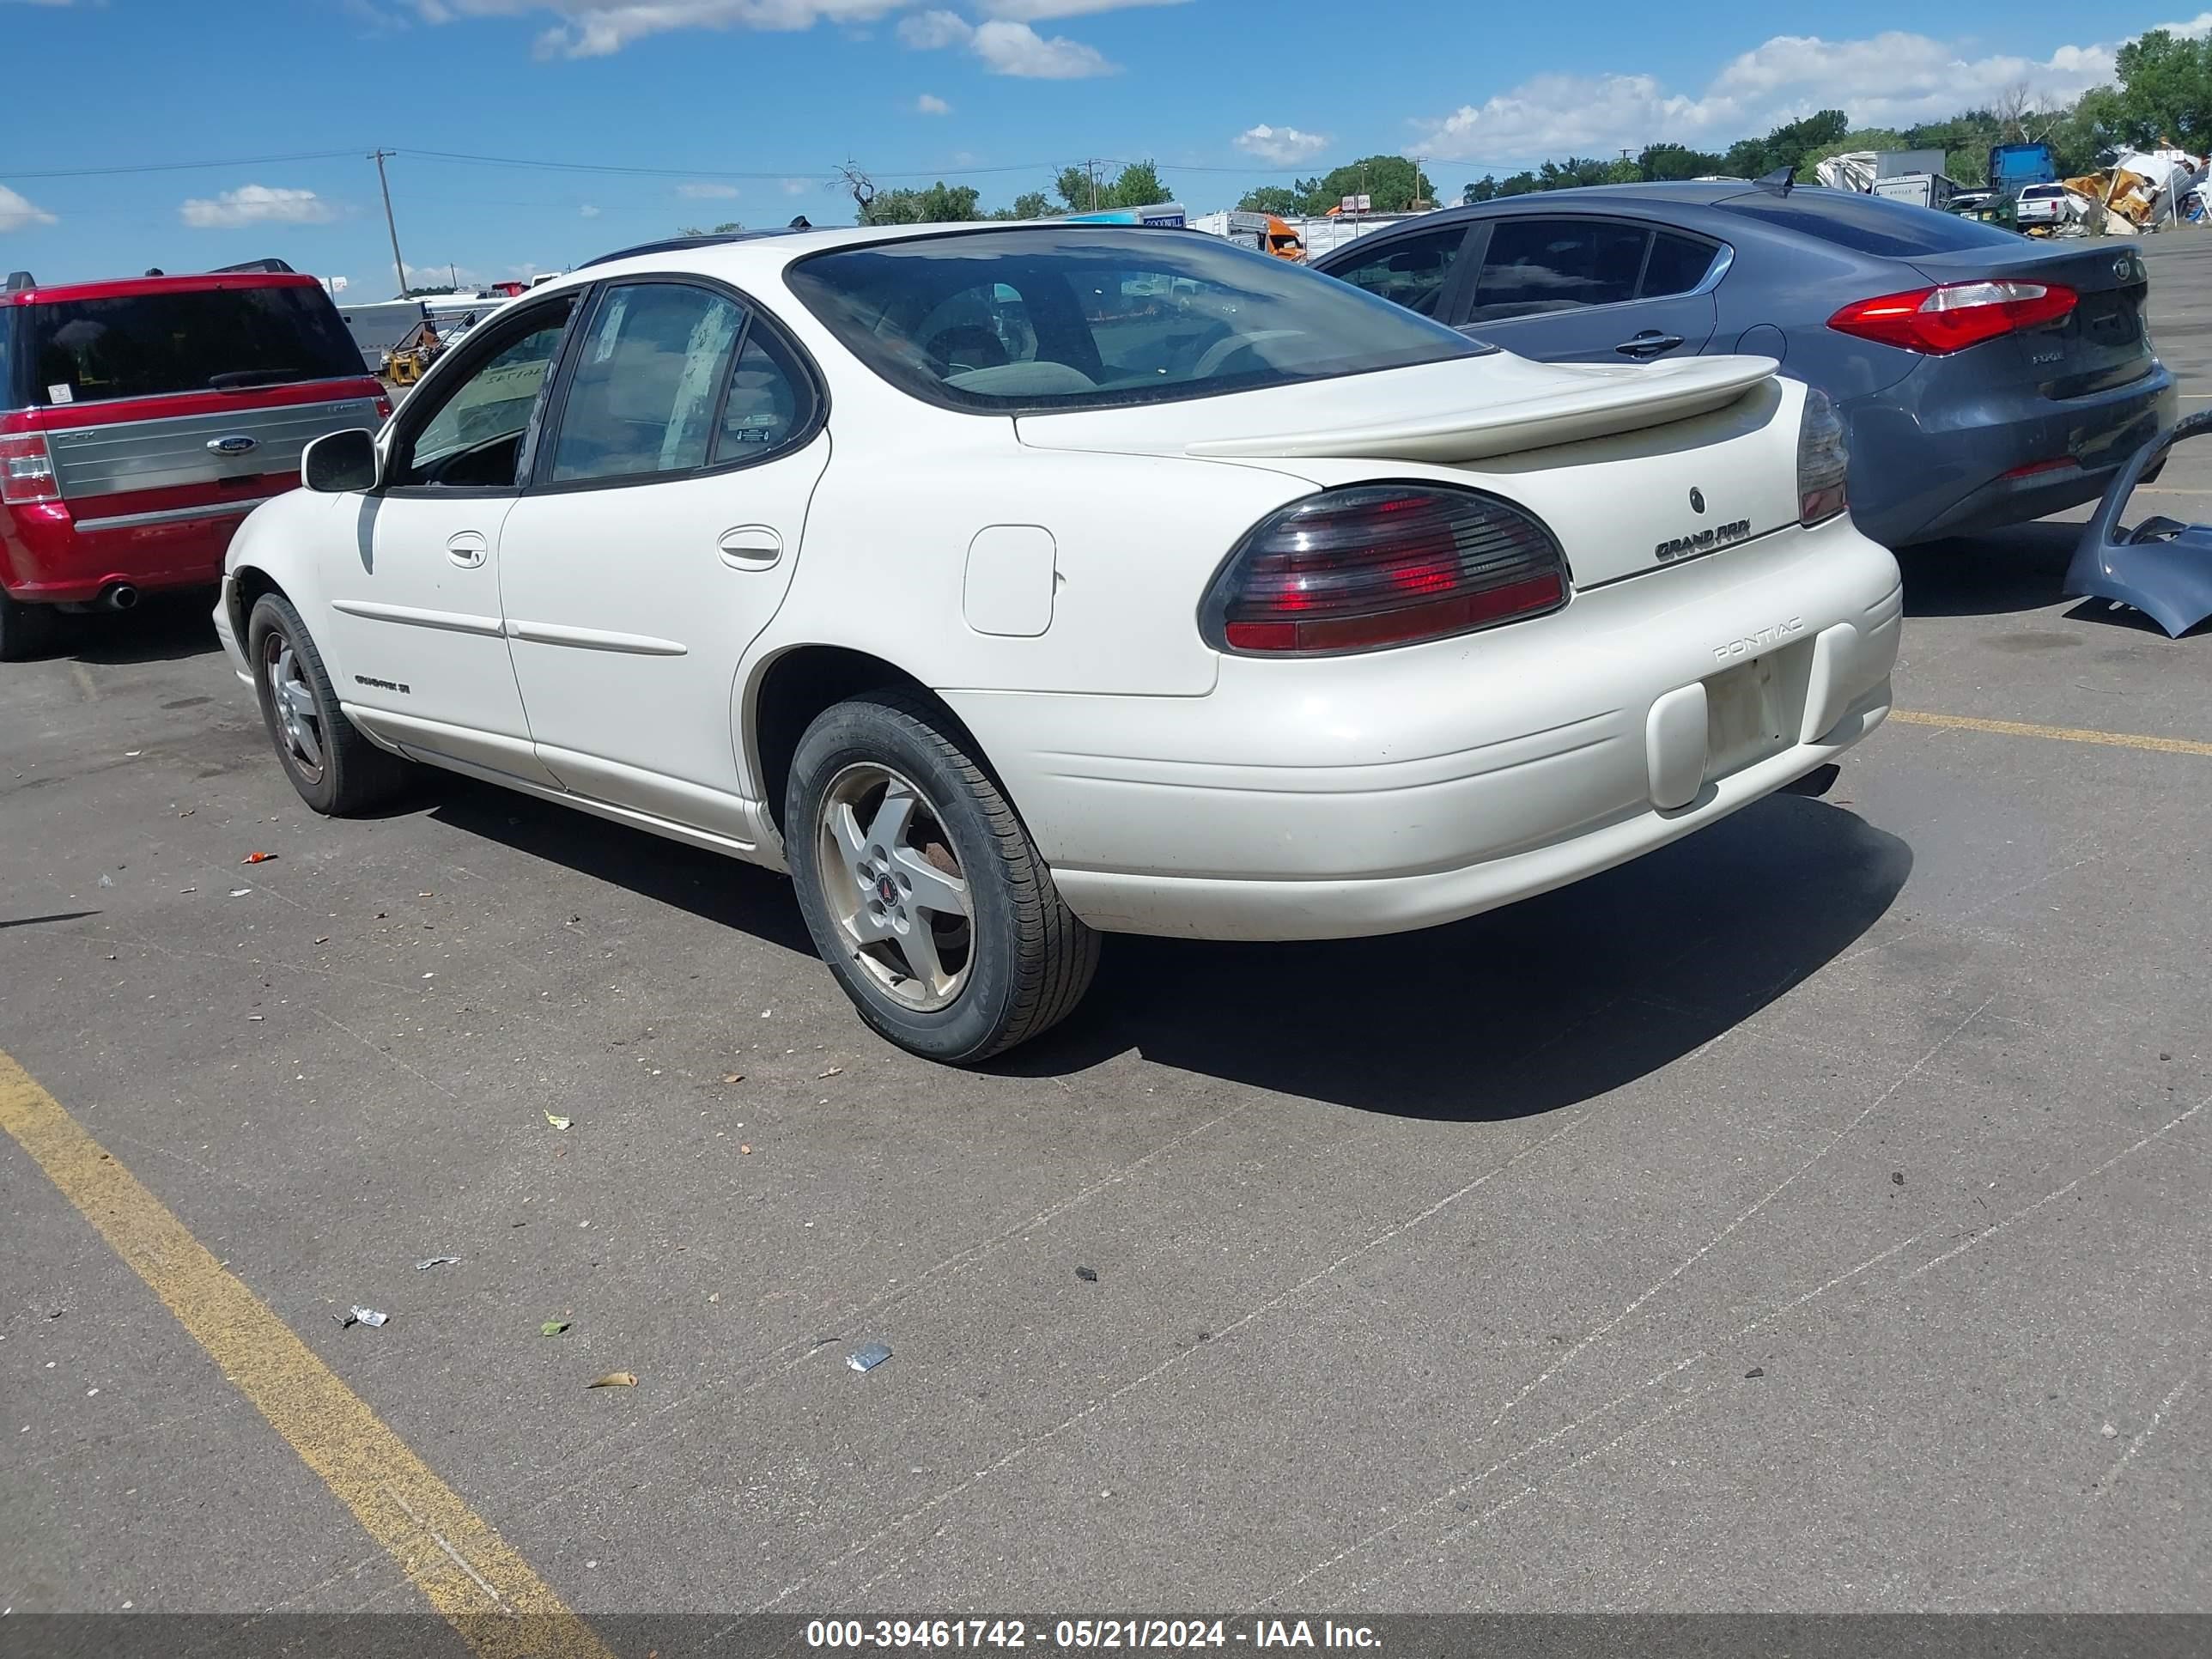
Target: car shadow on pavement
(1538, 1006)
(2018, 568)
(167, 629)
(709, 885)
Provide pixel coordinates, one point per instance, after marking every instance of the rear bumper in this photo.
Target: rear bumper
(48, 555)
(1930, 459)
(1402, 789)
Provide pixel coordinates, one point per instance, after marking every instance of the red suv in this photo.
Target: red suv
(140, 421)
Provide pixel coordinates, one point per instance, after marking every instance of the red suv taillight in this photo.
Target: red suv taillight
(1379, 565)
(1957, 315)
(26, 470)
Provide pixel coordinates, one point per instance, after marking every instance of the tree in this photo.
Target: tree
(2166, 91)
(1784, 147)
(1394, 184)
(1085, 190)
(1029, 205)
(1666, 161)
(1278, 200)
(722, 229)
(940, 204)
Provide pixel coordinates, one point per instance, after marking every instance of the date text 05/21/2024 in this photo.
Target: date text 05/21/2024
(1085, 1635)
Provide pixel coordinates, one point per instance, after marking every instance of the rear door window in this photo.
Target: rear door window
(1869, 224)
(1676, 265)
(1411, 270)
(1535, 265)
(648, 377)
(149, 345)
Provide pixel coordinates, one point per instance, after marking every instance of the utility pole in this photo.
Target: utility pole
(1090, 172)
(399, 265)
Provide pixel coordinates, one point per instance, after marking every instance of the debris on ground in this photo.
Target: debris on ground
(1897, 1177)
(735, 1077)
(358, 1316)
(108, 881)
(2109, 1432)
(429, 1262)
(240, 892)
(745, 1149)
(868, 1358)
(553, 1327)
(557, 1122)
(614, 1380)
(835, 1071)
(256, 858)
(1088, 1275)
(1756, 1371)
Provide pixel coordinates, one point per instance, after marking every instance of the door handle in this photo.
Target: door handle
(750, 547)
(1649, 343)
(466, 548)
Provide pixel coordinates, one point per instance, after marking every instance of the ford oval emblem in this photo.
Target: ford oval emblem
(2124, 267)
(236, 443)
(1697, 500)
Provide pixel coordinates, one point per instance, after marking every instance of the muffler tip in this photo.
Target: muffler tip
(122, 597)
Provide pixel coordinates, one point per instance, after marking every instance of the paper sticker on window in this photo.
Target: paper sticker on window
(61, 394)
(610, 328)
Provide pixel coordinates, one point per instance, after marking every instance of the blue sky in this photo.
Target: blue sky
(742, 109)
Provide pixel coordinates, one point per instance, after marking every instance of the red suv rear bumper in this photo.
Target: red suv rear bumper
(55, 552)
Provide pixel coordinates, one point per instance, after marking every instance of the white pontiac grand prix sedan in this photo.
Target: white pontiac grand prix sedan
(1013, 585)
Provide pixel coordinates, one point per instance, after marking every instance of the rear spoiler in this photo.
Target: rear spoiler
(18, 281)
(267, 267)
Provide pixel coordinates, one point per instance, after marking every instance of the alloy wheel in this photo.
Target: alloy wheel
(298, 721)
(895, 886)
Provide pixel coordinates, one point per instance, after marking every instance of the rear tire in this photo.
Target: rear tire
(26, 630)
(921, 888)
(336, 769)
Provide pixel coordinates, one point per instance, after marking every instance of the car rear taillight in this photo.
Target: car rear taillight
(1380, 565)
(383, 407)
(1957, 315)
(26, 470)
(1823, 460)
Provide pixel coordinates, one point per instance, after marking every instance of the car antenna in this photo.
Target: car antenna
(1781, 181)
(799, 224)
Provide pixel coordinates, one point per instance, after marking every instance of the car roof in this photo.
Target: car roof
(124, 288)
(743, 256)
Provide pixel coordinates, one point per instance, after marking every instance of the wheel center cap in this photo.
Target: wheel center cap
(887, 890)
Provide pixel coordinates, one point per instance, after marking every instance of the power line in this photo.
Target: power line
(176, 166)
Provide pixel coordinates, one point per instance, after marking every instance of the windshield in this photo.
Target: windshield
(1870, 224)
(1001, 321)
(145, 345)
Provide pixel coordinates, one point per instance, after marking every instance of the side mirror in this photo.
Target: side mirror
(339, 462)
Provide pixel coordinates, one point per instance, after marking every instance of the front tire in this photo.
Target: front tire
(336, 769)
(921, 888)
(26, 630)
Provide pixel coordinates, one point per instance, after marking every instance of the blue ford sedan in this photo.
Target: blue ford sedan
(1986, 379)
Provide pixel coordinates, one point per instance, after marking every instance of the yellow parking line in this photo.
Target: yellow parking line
(486, 1591)
(2057, 733)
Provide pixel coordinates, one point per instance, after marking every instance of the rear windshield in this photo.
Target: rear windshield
(1870, 224)
(144, 345)
(1088, 317)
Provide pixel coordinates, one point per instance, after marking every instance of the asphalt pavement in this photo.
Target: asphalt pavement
(1811, 1216)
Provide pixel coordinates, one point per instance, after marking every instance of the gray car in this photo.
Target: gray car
(1986, 379)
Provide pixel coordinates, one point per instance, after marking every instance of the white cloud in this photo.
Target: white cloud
(598, 29)
(443, 276)
(797, 187)
(930, 104)
(1017, 49)
(708, 192)
(1891, 79)
(17, 214)
(256, 204)
(926, 30)
(1037, 11)
(1281, 145)
(1006, 47)
(589, 211)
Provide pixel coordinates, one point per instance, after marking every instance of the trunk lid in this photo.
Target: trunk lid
(1464, 410)
(2104, 342)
